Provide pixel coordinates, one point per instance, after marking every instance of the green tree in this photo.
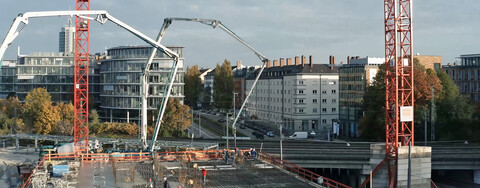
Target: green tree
(177, 118)
(455, 113)
(223, 86)
(193, 86)
(47, 119)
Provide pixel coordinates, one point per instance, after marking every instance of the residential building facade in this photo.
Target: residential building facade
(121, 71)
(50, 70)
(466, 75)
(355, 77)
(240, 83)
(300, 96)
(8, 78)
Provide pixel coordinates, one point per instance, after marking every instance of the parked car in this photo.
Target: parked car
(299, 135)
(270, 134)
(221, 120)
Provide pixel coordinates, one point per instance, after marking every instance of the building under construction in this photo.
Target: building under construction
(176, 169)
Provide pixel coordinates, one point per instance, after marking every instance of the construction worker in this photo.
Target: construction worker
(150, 185)
(254, 154)
(226, 155)
(204, 174)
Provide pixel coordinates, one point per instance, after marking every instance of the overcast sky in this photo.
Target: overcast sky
(276, 28)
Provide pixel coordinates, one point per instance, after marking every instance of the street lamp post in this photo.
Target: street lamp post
(199, 124)
(233, 125)
(281, 143)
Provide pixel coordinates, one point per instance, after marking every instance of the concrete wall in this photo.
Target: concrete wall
(421, 167)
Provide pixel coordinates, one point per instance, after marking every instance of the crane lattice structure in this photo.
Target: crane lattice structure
(399, 86)
(80, 90)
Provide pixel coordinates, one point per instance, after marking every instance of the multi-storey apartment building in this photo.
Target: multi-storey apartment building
(240, 83)
(300, 96)
(355, 77)
(466, 75)
(8, 78)
(121, 71)
(50, 70)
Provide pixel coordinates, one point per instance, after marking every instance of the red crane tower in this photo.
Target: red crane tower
(81, 79)
(398, 80)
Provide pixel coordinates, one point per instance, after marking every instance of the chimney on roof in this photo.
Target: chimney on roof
(311, 61)
(239, 64)
(304, 60)
(269, 64)
(297, 60)
(289, 61)
(275, 63)
(282, 62)
(348, 59)
(332, 60)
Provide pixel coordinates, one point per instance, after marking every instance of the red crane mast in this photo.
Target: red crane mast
(81, 79)
(398, 80)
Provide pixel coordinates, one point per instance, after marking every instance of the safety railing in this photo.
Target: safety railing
(432, 184)
(301, 172)
(367, 180)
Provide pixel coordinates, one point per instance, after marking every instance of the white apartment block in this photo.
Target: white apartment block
(302, 97)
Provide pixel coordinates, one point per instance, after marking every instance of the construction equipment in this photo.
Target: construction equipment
(80, 91)
(166, 23)
(81, 83)
(399, 103)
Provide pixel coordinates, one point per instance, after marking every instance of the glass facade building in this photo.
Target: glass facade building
(121, 72)
(52, 71)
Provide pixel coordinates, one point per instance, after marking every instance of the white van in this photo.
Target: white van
(299, 135)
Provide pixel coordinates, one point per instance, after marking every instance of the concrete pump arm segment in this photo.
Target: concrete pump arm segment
(166, 23)
(101, 17)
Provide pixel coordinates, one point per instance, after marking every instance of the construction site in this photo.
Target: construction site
(177, 169)
(85, 163)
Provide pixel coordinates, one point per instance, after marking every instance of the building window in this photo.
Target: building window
(314, 100)
(300, 101)
(324, 100)
(300, 110)
(314, 91)
(324, 109)
(324, 91)
(300, 91)
(334, 109)
(314, 110)
(300, 82)
(334, 91)
(334, 100)
(324, 120)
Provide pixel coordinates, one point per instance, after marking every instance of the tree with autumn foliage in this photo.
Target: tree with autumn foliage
(372, 125)
(176, 119)
(193, 86)
(10, 111)
(65, 124)
(47, 118)
(33, 104)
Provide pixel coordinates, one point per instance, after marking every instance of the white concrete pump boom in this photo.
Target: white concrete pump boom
(101, 17)
(167, 22)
